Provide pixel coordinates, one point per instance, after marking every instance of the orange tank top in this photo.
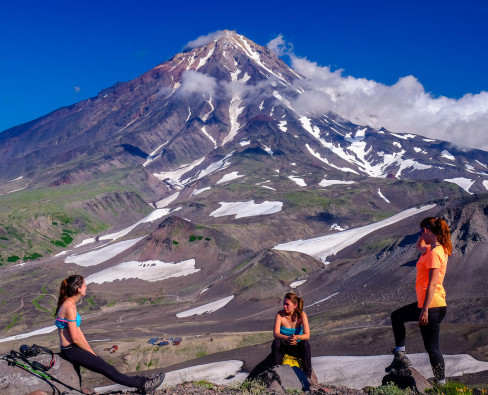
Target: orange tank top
(433, 259)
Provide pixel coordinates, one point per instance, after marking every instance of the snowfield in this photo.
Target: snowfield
(346, 371)
(328, 183)
(324, 246)
(229, 177)
(296, 284)
(464, 183)
(206, 308)
(41, 331)
(153, 216)
(95, 257)
(147, 270)
(247, 209)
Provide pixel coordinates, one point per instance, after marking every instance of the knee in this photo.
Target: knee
(275, 346)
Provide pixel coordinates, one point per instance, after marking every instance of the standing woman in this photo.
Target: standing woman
(434, 243)
(291, 333)
(75, 348)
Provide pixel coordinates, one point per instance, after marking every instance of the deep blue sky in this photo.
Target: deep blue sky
(55, 53)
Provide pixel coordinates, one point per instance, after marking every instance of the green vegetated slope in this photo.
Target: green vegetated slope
(37, 223)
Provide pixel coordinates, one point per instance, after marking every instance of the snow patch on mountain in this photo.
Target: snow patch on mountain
(213, 167)
(204, 131)
(153, 155)
(404, 136)
(282, 126)
(299, 181)
(151, 271)
(324, 246)
(485, 184)
(296, 284)
(229, 177)
(168, 200)
(464, 183)
(382, 196)
(199, 191)
(205, 117)
(100, 255)
(247, 209)
(206, 308)
(244, 142)
(176, 174)
(446, 154)
(327, 183)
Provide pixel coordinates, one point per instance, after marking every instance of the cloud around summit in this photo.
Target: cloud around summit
(203, 40)
(402, 107)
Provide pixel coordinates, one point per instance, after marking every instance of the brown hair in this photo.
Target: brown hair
(69, 287)
(296, 300)
(440, 228)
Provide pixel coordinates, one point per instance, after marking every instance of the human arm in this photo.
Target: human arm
(421, 245)
(306, 329)
(429, 295)
(77, 336)
(276, 332)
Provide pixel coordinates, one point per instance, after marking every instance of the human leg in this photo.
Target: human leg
(303, 348)
(277, 352)
(404, 314)
(81, 357)
(430, 335)
(408, 313)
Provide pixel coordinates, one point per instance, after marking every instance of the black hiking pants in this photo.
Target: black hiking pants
(301, 350)
(430, 333)
(80, 357)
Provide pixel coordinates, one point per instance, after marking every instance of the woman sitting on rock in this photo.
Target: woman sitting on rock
(434, 243)
(291, 333)
(75, 348)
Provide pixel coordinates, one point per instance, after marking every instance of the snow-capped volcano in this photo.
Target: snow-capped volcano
(225, 97)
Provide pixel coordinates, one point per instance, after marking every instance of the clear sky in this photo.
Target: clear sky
(55, 53)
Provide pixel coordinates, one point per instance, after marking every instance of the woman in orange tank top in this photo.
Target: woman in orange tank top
(434, 243)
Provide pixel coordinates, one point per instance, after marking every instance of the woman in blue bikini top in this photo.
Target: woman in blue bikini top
(75, 348)
(291, 333)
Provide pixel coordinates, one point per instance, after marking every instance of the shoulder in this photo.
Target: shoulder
(68, 310)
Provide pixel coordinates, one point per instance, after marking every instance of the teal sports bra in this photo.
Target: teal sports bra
(62, 323)
(291, 331)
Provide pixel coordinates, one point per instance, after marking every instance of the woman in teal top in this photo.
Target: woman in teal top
(291, 333)
(75, 348)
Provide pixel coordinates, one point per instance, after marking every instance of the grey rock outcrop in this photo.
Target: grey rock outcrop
(15, 380)
(280, 378)
(408, 378)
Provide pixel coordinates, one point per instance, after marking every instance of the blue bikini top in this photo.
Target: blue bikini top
(62, 323)
(291, 331)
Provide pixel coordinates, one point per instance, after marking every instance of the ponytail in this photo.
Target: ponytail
(296, 300)
(440, 228)
(69, 287)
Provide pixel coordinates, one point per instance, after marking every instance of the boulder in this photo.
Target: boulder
(408, 378)
(284, 377)
(15, 380)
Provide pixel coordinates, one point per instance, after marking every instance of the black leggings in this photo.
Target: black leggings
(80, 357)
(301, 350)
(430, 333)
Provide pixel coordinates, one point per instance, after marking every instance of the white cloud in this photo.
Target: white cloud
(77, 89)
(194, 82)
(402, 107)
(279, 46)
(202, 40)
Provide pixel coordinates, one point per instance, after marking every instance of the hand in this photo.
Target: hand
(292, 340)
(424, 317)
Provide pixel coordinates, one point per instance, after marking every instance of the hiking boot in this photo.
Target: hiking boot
(400, 362)
(152, 383)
